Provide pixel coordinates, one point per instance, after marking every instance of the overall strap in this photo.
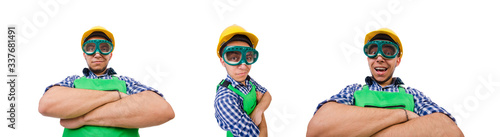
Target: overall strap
(238, 91)
(228, 85)
(401, 89)
(365, 87)
(223, 83)
(253, 86)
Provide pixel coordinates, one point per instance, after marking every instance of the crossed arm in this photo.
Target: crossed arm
(232, 117)
(334, 119)
(264, 100)
(263, 127)
(78, 107)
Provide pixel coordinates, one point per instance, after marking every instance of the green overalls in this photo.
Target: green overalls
(249, 100)
(99, 131)
(382, 99)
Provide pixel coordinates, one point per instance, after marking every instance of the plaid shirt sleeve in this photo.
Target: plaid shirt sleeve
(67, 82)
(258, 87)
(230, 115)
(134, 87)
(424, 105)
(345, 96)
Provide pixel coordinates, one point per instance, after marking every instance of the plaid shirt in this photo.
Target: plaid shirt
(423, 104)
(229, 108)
(133, 87)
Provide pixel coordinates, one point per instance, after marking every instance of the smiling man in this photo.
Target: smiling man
(381, 107)
(240, 101)
(100, 104)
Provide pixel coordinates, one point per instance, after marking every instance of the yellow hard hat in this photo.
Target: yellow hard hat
(391, 34)
(232, 30)
(98, 29)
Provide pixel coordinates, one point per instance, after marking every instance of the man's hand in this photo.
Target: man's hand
(258, 112)
(259, 96)
(256, 117)
(411, 115)
(73, 122)
(123, 95)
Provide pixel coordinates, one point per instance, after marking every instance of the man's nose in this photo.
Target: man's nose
(243, 66)
(379, 58)
(97, 54)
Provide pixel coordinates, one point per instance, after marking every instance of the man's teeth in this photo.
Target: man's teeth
(383, 69)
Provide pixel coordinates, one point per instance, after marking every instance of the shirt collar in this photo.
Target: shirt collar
(236, 83)
(90, 74)
(395, 81)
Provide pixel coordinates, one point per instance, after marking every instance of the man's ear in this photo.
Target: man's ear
(222, 62)
(398, 61)
(110, 55)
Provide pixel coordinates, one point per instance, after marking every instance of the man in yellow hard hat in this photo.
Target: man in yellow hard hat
(240, 101)
(381, 107)
(100, 104)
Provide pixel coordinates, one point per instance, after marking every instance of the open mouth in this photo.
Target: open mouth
(379, 69)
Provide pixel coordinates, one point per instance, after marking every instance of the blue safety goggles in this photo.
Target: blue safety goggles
(236, 55)
(385, 48)
(90, 47)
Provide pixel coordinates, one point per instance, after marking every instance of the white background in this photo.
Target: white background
(309, 50)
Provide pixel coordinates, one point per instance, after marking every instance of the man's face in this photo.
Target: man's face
(97, 62)
(383, 68)
(237, 72)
